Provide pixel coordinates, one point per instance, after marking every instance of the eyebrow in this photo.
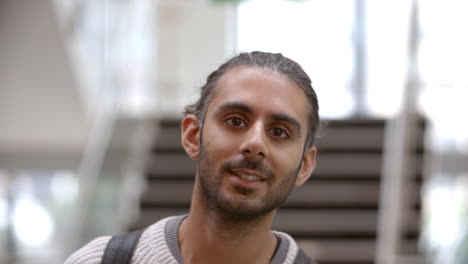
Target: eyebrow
(235, 106)
(279, 117)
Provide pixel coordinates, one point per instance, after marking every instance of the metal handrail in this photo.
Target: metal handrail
(399, 164)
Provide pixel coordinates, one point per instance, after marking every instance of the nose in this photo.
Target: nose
(254, 145)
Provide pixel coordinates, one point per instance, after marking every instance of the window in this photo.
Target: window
(355, 52)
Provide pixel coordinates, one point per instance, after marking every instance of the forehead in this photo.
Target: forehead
(263, 90)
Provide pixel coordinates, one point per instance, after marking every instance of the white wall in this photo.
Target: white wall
(40, 108)
(191, 44)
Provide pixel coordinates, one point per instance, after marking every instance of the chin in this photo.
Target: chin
(244, 207)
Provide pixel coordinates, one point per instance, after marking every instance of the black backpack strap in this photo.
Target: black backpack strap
(302, 258)
(120, 248)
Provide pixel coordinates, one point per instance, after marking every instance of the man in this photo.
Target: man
(251, 133)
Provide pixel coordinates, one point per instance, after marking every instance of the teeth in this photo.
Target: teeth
(249, 177)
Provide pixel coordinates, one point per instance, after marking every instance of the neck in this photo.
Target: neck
(208, 236)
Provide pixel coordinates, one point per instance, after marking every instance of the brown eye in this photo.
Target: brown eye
(235, 122)
(278, 132)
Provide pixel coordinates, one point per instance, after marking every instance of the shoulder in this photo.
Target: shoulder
(91, 253)
(152, 245)
(294, 255)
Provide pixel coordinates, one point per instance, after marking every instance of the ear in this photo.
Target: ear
(190, 136)
(307, 166)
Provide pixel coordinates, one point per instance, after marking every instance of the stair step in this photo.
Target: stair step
(322, 223)
(350, 164)
(329, 221)
(304, 224)
(310, 195)
(340, 251)
(346, 251)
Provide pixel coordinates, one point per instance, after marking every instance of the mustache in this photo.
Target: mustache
(243, 163)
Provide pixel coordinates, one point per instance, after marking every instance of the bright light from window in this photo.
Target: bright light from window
(387, 55)
(445, 215)
(64, 186)
(32, 224)
(316, 34)
(443, 63)
(443, 229)
(3, 213)
(444, 56)
(3, 199)
(446, 106)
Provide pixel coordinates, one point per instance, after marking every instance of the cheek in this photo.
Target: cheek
(287, 159)
(217, 146)
(219, 140)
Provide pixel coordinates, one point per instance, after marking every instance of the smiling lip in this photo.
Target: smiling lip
(248, 175)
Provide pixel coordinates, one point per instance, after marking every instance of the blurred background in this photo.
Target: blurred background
(91, 93)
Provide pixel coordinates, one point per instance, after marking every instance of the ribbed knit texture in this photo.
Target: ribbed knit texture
(91, 253)
(159, 245)
(151, 248)
(292, 249)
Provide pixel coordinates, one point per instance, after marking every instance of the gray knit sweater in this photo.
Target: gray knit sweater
(159, 245)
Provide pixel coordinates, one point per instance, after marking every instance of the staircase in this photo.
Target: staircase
(333, 216)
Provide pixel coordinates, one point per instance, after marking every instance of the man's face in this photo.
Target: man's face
(252, 142)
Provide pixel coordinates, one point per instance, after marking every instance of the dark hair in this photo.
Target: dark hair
(275, 62)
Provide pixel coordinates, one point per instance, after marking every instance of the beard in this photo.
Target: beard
(242, 203)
